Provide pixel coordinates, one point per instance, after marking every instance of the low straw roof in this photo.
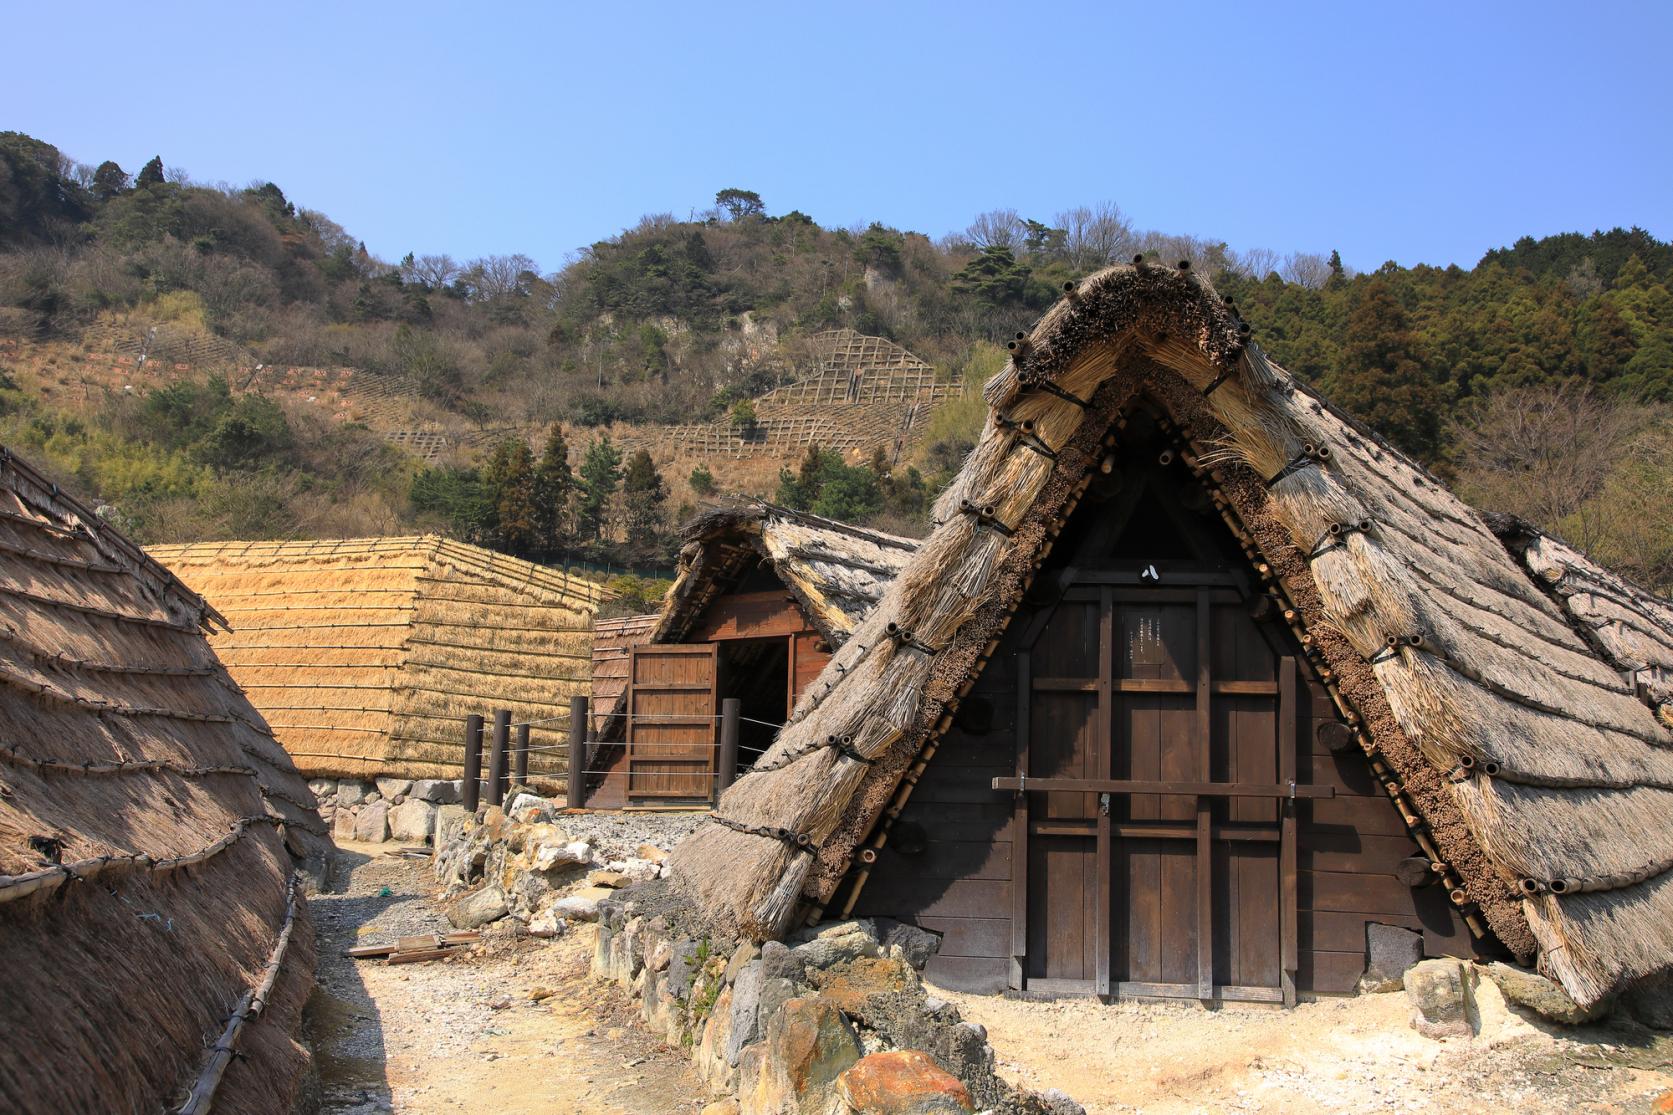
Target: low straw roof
(1532, 770)
(149, 831)
(366, 654)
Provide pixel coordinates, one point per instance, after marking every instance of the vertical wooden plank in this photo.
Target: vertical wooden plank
(790, 676)
(1289, 735)
(1101, 935)
(1205, 847)
(1019, 831)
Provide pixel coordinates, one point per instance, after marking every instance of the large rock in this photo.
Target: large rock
(582, 905)
(779, 962)
(1651, 1002)
(372, 824)
(916, 945)
(1390, 950)
(547, 854)
(393, 787)
(450, 823)
(477, 908)
(412, 821)
(745, 1007)
(342, 825)
(809, 1044)
(1439, 992)
(322, 788)
(1540, 995)
(838, 944)
(350, 792)
(712, 1064)
(903, 1082)
(437, 791)
(775, 992)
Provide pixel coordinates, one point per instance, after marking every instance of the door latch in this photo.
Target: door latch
(1104, 804)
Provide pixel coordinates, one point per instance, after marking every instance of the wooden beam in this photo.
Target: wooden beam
(1205, 820)
(1289, 739)
(1019, 829)
(1188, 789)
(1101, 945)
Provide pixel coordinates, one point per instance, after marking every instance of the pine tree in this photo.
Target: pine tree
(600, 473)
(109, 181)
(1382, 379)
(554, 491)
(508, 486)
(642, 496)
(151, 174)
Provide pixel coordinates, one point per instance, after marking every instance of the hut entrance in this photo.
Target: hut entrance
(1158, 729)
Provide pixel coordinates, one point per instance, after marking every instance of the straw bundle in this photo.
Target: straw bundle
(1541, 779)
(367, 654)
(147, 827)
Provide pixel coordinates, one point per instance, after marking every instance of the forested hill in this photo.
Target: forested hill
(1539, 379)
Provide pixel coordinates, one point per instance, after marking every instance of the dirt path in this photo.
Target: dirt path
(1336, 1055)
(477, 1033)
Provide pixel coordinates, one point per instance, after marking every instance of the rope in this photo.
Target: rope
(798, 841)
(21, 886)
(843, 745)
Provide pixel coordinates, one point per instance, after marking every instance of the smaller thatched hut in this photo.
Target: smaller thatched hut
(154, 942)
(366, 654)
(763, 596)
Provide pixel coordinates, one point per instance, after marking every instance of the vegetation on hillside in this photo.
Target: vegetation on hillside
(1567, 340)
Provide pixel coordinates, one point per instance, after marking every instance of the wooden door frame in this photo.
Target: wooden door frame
(1200, 589)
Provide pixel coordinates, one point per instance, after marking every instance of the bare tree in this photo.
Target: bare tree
(493, 277)
(1095, 235)
(998, 228)
(1308, 269)
(1546, 453)
(1256, 263)
(434, 272)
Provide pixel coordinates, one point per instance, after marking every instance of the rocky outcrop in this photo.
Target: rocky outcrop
(834, 1021)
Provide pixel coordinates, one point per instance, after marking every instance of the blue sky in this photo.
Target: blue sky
(1415, 132)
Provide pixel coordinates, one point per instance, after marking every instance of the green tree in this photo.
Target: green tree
(702, 481)
(1382, 379)
(508, 485)
(554, 493)
(643, 494)
(109, 181)
(601, 472)
(740, 203)
(151, 174)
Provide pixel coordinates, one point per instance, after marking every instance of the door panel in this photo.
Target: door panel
(671, 726)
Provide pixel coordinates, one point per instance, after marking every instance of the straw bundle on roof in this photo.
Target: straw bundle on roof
(1542, 780)
(148, 905)
(367, 654)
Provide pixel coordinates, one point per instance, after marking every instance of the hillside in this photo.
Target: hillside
(213, 361)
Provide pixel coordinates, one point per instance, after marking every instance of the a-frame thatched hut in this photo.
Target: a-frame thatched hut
(1194, 679)
(762, 598)
(155, 944)
(366, 654)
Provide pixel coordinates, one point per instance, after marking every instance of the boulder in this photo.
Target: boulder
(1540, 995)
(774, 994)
(903, 1082)
(610, 879)
(370, 797)
(916, 945)
(1439, 992)
(342, 825)
(838, 944)
(745, 1007)
(450, 823)
(322, 788)
(371, 826)
(436, 791)
(712, 1065)
(741, 956)
(412, 821)
(350, 792)
(809, 1044)
(477, 908)
(682, 967)
(779, 962)
(1390, 951)
(1650, 1002)
(640, 870)
(531, 809)
(652, 853)
(547, 923)
(854, 985)
(582, 905)
(550, 855)
(391, 787)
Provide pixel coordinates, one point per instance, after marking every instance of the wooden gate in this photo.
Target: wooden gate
(672, 730)
(1157, 736)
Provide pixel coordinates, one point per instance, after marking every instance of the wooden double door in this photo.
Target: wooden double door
(1154, 803)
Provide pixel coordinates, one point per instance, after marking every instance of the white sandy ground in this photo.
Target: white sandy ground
(1332, 1055)
(467, 1035)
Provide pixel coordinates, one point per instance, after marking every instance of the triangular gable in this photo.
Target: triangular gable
(1544, 785)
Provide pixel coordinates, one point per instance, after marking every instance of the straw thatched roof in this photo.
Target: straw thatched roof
(836, 572)
(1540, 779)
(366, 654)
(148, 820)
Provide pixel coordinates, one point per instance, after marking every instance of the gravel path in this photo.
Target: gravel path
(514, 1026)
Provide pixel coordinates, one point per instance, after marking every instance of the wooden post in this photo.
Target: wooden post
(496, 757)
(520, 758)
(727, 766)
(577, 770)
(472, 788)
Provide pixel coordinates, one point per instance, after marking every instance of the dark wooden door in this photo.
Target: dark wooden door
(1157, 742)
(671, 724)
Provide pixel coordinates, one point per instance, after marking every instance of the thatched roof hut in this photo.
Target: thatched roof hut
(772, 592)
(1491, 707)
(366, 654)
(151, 924)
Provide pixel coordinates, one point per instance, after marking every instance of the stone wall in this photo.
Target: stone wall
(834, 1021)
(384, 808)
